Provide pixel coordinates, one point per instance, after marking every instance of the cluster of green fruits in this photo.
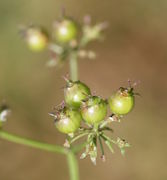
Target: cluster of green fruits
(81, 114)
(67, 36)
(82, 107)
(38, 39)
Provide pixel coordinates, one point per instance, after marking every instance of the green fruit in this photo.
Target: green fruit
(122, 102)
(94, 110)
(65, 31)
(68, 121)
(36, 39)
(75, 93)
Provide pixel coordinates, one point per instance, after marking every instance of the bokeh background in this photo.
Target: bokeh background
(135, 47)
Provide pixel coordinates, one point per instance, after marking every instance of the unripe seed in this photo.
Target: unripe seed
(122, 102)
(94, 110)
(68, 120)
(75, 93)
(65, 31)
(36, 38)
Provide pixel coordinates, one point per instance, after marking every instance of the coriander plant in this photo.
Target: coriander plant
(81, 113)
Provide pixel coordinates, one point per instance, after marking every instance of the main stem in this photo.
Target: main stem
(73, 166)
(70, 153)
(73, 66)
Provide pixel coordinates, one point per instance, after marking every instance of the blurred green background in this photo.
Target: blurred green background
(135, 47)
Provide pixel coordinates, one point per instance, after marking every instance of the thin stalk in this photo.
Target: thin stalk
(108, 143)
(73, 166)
(106, 137)
(78, 137)
(101, 147)
(73, 66)
(32, 143)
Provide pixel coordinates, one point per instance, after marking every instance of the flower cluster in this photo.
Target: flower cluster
(83, 114)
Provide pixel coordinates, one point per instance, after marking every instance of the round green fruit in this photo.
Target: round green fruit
(75, 93)
(65, 31)
(122, 102)
(68, 121)
(36, 39)
(94, 110)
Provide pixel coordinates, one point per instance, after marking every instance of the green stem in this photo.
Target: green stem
(108, 143)
(78, 137)
(110, 140)
(32, 143)
(70, 153)
(73, 66)
(101, 146)
(73, 166)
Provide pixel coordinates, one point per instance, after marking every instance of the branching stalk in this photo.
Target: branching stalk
(70, 153)
(78, 137)
(32, 143)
